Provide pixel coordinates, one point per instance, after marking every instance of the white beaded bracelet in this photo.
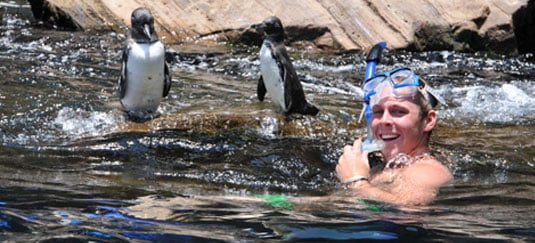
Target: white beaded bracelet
(355, 178)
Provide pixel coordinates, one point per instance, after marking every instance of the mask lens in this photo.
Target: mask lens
(371, 84)
(405, 83)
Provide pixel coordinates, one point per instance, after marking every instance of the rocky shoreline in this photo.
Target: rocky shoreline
(504, 27)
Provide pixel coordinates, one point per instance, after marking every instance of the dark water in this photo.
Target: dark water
(219, 165)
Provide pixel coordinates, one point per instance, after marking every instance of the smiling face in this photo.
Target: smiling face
(399, 122)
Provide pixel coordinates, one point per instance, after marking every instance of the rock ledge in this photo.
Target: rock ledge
(420, 25)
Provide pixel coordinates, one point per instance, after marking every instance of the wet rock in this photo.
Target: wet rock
(52, 16)
(434, 38)
(500, 39)
(309, 35)
(251, 37)
(74, 15)
(524, 27)
(327, 41)
(468, 34)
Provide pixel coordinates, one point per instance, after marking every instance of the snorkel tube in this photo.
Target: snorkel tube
(371, 144)
(374, 57)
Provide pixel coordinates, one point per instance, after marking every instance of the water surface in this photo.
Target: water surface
(219, 165)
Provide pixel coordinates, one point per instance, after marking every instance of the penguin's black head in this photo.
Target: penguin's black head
(143, 26)
(272, 26)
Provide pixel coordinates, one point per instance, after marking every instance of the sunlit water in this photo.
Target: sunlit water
(219, 165)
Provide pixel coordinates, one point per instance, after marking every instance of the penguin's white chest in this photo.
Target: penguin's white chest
(271, 75)
(145, 78)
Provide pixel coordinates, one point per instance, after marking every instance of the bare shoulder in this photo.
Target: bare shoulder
(429, 172)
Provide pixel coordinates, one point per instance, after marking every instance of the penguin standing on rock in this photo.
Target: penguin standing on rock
(145, 77)
(278, 76)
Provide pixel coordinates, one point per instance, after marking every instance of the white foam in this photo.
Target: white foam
(79, 122)
(269, 127)
(516, 95)
(509, 103)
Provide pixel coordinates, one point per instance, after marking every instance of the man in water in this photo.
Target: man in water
(403, 117)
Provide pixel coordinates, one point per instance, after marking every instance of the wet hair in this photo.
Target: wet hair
(424, 105)
(425, 101)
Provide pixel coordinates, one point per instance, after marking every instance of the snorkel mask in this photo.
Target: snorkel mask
(402, 83)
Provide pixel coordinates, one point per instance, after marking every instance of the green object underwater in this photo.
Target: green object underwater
(378, 206)
(279, 201)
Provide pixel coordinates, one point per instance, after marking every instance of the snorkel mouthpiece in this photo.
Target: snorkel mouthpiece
(371, 144)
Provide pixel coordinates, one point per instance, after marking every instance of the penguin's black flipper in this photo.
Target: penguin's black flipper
(167, 80)
(287, 74)
(122, 78)
(289, 95)
(261, 89)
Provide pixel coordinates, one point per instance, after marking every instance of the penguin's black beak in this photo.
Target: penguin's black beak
(146, 30)
(258, 26)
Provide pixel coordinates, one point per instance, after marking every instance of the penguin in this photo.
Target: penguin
(278, 76)
(145, 78)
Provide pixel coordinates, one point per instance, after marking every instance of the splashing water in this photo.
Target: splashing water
(79, 122)
(508, 103)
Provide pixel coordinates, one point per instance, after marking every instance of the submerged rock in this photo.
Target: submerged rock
(217, 122)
